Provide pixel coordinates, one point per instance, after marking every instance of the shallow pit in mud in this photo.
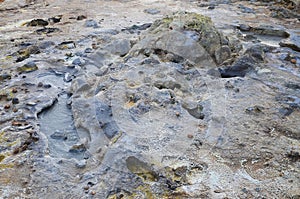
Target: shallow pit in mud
(57, 124)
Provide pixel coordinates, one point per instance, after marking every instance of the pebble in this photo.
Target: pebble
(38, 22)
(78, 62)
(6, 106)
(81, 17)
(293, 61)
(40, 84)
(14, 90)
(93, 192)
(88, 50)
(81, 164)
(190, 136)
(47, 86)
(244, 27)
(15, 100)
(91, 23)
(152, 11)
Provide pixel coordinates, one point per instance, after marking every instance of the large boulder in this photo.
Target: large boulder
(187, 37)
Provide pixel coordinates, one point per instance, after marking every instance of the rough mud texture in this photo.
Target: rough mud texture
(149, 99)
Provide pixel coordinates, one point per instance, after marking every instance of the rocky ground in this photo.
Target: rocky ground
(149, 99)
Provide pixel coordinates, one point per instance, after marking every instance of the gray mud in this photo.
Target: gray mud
(149, 99)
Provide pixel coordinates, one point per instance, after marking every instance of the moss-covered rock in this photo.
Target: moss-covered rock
(190, 36)
(28, 67)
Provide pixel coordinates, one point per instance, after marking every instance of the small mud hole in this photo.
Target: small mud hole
(58, 126)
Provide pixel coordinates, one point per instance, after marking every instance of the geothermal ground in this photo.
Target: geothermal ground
(149, 99)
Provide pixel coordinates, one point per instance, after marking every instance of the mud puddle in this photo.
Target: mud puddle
(58, 126)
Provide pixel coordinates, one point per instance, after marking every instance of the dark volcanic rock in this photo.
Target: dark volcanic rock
(28, 67)
(38, 22)
(244, 64)
(179, 33)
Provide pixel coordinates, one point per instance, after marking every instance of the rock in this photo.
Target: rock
(270, 30)
(141, 169)
(40, 84)
(58, 135)
(28, 67)
(81, 164)
(293, 61)
(55, 19)
(292, 42)
(4, 76)
(179, 33)
(222, 54)
(37, 22)
(15, 100)
(46, 44)
(47, 30)
(88, 50)
(47, 86)
(119, 47)
(66, 45)
(263, 71)
(244, 27)
(77, 148)
(246, 9)
(91, 23)
(137, 28)
(196, 111)
(78, 62)
(152, 11)
(245, 63)
(26, 52)
(81, 17)
(14, 90)
(105, 119)
(7, 106)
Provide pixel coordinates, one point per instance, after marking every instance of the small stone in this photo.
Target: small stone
(5, 76)
(37, 22)
(93, 192)
(46, 44)
(88, 50)
(15, 100)
(47, 86)
(78, 62)
(55, 19)
(190, 136)
(81, 17)
(81, 164)
(91, 23)
(66, 45)
(86, 187)
(244, 27)
(40, 84)
(28, 67)
(15, 110)
(58, 135)
(293, 61)
(152, 11)
(177, 114)
(77, 148)
(16, 123)
(14, 90)
(6, 106)
(47, 30)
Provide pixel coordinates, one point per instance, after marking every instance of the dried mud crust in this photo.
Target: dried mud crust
(147, 119)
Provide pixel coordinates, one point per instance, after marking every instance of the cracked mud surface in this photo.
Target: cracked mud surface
(149, 99)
